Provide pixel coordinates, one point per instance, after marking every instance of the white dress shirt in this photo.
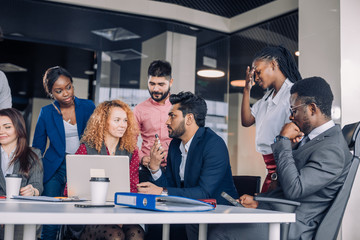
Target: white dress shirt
(184, 151)
(319, 130)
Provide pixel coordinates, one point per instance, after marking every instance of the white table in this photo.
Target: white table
(31, 213)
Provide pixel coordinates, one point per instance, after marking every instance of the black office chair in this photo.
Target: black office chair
(330, 225)
(352, 136)
(247, 184)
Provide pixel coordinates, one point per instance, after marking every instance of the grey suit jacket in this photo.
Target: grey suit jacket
(35, 175)
(312, 175)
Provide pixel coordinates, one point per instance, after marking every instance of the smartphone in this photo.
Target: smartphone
(157, 137)
(231, 200)
(94, 206)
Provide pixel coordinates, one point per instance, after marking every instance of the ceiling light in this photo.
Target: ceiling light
(9, 67)
(239, 83)
(210, 73)
(89, 72)
(115, 34)
(133, 82)
(194, 28)
(297, 53)
(126, 54)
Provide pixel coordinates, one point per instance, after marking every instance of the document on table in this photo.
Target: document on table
(49, 199)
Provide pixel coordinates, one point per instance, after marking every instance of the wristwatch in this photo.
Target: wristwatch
(279, 138)
(164, 192)
(274, 176)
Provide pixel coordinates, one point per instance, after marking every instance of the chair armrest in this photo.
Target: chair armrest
(281, 205)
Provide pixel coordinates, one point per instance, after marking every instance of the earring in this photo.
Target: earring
(51, 96)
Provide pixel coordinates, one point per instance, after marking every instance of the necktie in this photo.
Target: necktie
(304, 140)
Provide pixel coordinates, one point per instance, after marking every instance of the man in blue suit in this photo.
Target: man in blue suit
(198, 163)
(198, 159)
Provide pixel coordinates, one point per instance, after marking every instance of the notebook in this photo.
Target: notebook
(78, 168)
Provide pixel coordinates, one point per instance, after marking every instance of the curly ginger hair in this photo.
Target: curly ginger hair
(97, 126)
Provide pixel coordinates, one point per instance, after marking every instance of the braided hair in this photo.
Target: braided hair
(284, 59)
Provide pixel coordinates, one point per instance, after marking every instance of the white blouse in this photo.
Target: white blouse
(71, 138)
(270, 116)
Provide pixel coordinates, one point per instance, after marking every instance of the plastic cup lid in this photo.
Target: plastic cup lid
(13, 175)
(99, 179)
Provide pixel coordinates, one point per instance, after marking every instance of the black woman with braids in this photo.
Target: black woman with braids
(273, 68)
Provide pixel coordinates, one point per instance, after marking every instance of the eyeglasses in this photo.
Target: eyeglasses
(293, 111)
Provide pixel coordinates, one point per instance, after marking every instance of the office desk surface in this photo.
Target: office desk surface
(32, 212)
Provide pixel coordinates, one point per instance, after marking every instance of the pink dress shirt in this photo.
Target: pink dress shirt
(151, 117)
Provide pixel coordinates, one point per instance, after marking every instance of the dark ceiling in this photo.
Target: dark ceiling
(224, 8)
(40, 34)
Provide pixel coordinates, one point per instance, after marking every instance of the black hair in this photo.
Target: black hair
(315, 90)
(51, 75)
(191, 103)
(159, 68)
(284, 58)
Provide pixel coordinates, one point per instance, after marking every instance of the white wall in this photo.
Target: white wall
(244, 158)
(180, 51)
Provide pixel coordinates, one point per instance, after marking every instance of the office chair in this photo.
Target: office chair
(330, 225)
(352, 136)
(247, 184)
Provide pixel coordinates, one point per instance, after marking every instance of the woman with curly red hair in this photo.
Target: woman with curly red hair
(112, 130)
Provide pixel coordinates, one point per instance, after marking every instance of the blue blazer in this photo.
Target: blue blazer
(50, 125)
(207, 169)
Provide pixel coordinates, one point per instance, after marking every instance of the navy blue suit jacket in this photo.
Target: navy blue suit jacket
(207, 169)
(50, 125)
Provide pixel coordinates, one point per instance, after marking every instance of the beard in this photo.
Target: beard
(306, 126)
(179, 131)
(162, 95)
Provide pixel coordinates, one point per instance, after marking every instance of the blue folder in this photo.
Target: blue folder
(161, 203)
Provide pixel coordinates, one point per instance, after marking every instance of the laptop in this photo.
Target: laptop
(78, 168)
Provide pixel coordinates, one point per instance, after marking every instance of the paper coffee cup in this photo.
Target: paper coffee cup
(99, 188)
(13, 183)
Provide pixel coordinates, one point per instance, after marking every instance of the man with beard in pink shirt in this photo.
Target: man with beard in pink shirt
(152, 114)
